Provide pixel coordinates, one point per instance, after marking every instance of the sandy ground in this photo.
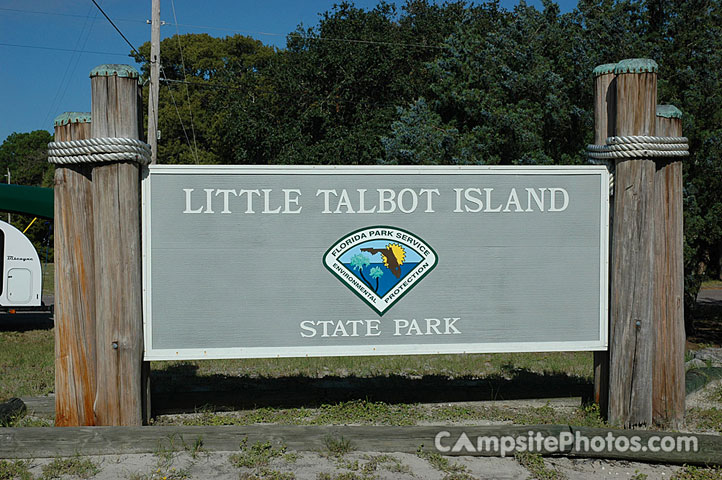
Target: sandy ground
(216, 465)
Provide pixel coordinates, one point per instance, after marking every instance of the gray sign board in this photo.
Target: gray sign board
(245, 262)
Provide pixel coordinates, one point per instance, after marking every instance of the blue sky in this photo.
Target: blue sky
(37, 84)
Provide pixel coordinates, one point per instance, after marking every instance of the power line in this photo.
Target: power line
(57, 14)
(252, 32)
(172, 97)
(147, 61)
(320, 39)
(185, 77)
(74, 59)
(57, 49)
(118, 30)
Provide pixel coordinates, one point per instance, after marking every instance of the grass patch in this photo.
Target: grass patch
(30, 421)
(268, 474)
(337, 447)
(161, 474)
(344, 476)
(175, 374)
(536, 466)
(364, 412)
(374, 462)
(166, 452)
(27, 363)
(454, 471)
(367, 413)
(587, 416)
(705, 419)
(712, 284)
(74, 466)
(48, 277)
(257, 455)
(11, 470)
(697, 473)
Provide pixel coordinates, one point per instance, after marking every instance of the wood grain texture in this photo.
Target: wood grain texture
(632, 331)
(116, 222)
(605, 106)
(668, 383)
(49, 442)
(75, 357)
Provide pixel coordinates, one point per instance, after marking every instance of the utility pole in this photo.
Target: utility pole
(153, 131)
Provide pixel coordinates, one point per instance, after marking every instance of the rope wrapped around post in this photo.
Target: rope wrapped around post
(99, 150)
(640, 146)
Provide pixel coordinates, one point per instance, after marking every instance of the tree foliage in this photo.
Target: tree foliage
(451, 83)
(25, 156)
(193, 70)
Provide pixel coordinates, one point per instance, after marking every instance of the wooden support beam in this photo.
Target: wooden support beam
(49, 442)
(632, 275)
(668, 398)
(75, 380)
(605, 105)
(116, 222)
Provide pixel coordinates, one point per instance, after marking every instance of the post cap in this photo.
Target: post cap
(636, 65)
(71, 117)
(668, 111)
(113, 69)
(604, 69)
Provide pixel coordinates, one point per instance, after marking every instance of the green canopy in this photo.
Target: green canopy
(35, 201)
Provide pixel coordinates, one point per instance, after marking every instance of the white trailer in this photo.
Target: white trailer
(21, 274)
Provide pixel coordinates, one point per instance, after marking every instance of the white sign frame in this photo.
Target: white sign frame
(156, 354)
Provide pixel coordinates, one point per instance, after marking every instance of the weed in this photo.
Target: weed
(267, 474)
(440, 462)
(337, 447)
(344, 476)
(73, 466)
(162, 474)
(290, 457)
(536, 466)
(639, 476)
(32, 421)
(366, 412)
(697, 473)
(257, 455)
(196, 448)
(705, 418)
(15, 470)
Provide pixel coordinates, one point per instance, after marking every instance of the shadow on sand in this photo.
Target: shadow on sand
(222, 392)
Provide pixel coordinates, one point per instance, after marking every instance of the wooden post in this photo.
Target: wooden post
(75, 380)
(116, 221)
(668, 397)
(632, 330)
(605, 105)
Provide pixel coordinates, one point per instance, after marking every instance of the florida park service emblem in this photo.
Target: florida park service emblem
(380, 264)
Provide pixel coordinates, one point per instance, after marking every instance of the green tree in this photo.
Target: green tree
(333, 92)
(191, 118)
(25, 156)
(358, 262)
(376, 273)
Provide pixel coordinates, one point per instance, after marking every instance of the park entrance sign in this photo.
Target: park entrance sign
(244, 262)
